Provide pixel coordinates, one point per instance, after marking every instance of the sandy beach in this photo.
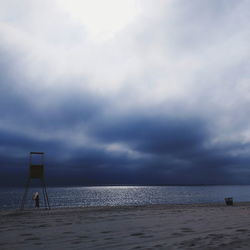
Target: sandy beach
(206, 226)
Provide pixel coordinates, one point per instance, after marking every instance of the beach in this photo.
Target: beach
(196, 226)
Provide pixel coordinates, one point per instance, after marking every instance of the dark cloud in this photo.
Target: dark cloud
(154, 134)
(191, 164)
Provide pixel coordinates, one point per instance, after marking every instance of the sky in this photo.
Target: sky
(120, 92)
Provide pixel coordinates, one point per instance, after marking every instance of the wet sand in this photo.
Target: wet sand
(207, 226)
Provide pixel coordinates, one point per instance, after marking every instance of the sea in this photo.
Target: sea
(10, 198)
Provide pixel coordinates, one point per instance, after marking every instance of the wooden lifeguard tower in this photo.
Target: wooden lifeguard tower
(36, 171)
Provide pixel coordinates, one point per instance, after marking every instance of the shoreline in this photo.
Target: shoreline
(147, 206)
(170, 226)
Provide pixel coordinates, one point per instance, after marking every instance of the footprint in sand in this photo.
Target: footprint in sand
(217, 235)
(137, 247)
(136, 234)
(177, 234)
(83, 237)
(66, 224)
(241, 230)
(27, 234)
(146, 236)
(187, 230)
(32, 238)
(37, 243)
(75, 242)
(41, 225)
(190, 243)
(158, 245)
(110, 238)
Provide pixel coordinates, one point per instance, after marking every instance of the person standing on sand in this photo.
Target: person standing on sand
(36, 199)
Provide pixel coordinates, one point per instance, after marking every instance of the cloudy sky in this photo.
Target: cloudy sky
(126, 91)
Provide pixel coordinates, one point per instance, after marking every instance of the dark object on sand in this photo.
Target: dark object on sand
(229, 201)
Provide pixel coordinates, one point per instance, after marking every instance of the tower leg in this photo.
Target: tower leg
(45, 195)
(25, 194)
(44, 198)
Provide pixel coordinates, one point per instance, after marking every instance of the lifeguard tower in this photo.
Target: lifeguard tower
(36, 171)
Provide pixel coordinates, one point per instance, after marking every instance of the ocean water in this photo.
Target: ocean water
(125, 195)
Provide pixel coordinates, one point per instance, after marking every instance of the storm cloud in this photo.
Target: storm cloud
(142, 92)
